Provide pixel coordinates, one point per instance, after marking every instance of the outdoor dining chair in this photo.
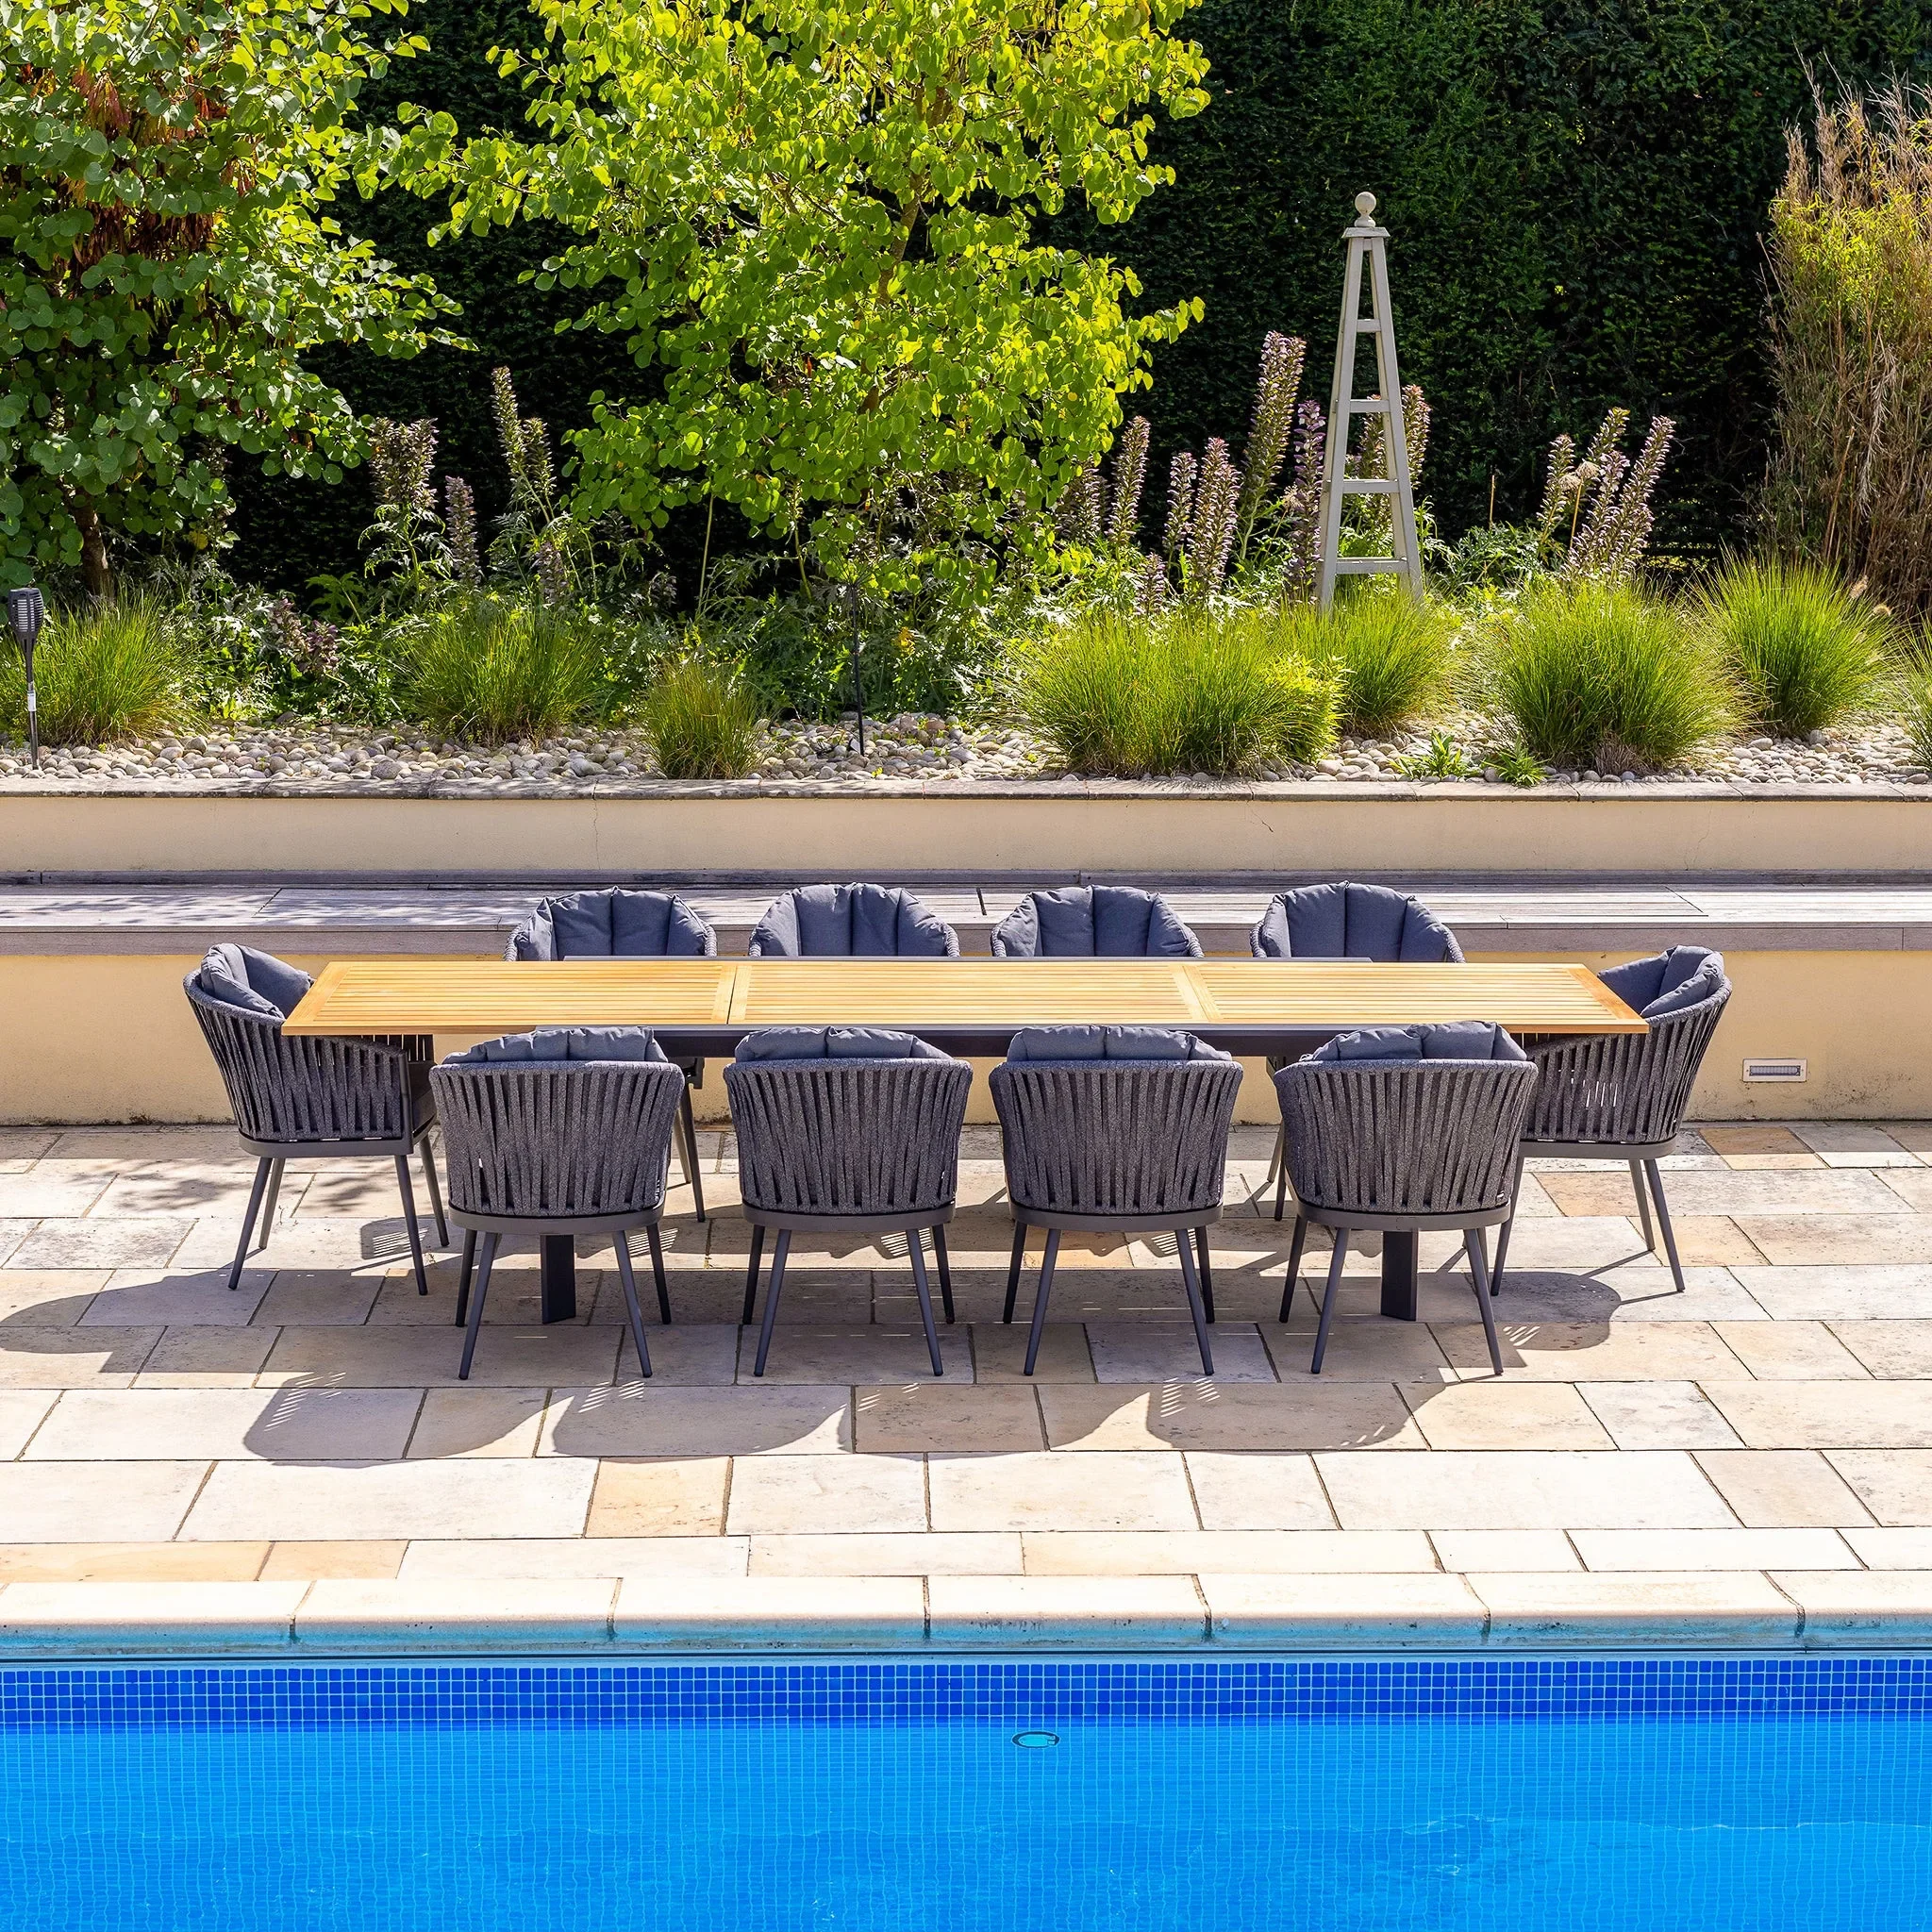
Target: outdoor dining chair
(848, 1130)
(298, 1097)
(851, 922)
(1094, 922)
(1407, 1130)
(1346, 921)
(562, 1132)
(625, 923)
(1115, 1129)
(1620, 1096)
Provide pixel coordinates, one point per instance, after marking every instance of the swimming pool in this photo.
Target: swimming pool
(1398, 1795)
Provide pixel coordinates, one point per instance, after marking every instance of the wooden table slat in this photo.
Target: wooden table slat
(991, 996)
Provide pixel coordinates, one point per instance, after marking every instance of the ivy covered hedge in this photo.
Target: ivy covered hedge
(1577, 190)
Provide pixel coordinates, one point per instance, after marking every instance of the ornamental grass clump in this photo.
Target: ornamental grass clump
(702, 722)
(1804, 651)
(1195, 691)
(102, 670)
(1391, 655)
(1604, 676)
(1915, 712)
(493, 669)
(1850, 480)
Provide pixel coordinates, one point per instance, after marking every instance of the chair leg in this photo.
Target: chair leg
(1294, 1264)
(463, 1274)
(1195, 1306)
(1663, 1216)
(924, 1291)
(1205, 1263)
(408, 1195)
(772, 1293)
(1274, 1158)
(1328, 1300)
(1281, 1177)
(630, 1298)
(658, 1274)
(1503, 1233)
(1051, 1255)
(255, 1195)
(751, 1276)
(1637, 1168)
(435, 1193)
(688, 1128)
(945, 1262)
(266, 1225)
(1478, 1269)
(1013, 1268)
(475, 1328)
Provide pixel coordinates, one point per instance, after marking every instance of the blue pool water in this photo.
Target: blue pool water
(1406, 1795)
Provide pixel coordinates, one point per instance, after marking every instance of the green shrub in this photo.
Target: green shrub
(1198, 691)
(1606, 678)
(702, 722)
(102, 672)
(494, 670)
(1391, 651)
(1804, 650)
(1915, 710)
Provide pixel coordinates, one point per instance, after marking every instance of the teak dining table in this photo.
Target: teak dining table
(1274, 1006)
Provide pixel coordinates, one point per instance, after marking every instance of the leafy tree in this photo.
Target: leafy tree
(813, 222)
(165, 175)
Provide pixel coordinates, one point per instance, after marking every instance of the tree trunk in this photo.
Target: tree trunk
(94, 572)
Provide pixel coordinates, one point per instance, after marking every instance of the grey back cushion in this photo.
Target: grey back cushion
(851, 922)
(1667, 982)
(1346, 921)
(1460, 1039)
(565, 1043)
(619, 924)
(1110, 1044)
(1105, 922)
(252, 982)
(835, 1043)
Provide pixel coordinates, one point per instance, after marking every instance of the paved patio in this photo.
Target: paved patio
(1752, 1460)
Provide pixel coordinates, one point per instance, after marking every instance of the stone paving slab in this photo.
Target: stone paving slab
(295, 1465)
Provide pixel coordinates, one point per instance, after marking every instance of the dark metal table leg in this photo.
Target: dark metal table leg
(1399, 1276)
(560, 1278)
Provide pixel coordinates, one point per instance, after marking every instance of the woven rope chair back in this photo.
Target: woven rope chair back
(552, 1140)
(1623, 1088)
(1416, 1137)
(1126, 1139)
(848, 1136)
(294, 1088)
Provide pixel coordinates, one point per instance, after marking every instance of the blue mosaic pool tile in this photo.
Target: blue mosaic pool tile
(1384, 1691)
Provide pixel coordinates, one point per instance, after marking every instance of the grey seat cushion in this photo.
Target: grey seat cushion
(250, 981)
(851, 922)
(618, 923)
(1347, 921)
(1460, 1039)
(565, 1043)
(1096, 921)
(835, 1043)
(1667, 982)
(1122, 1043)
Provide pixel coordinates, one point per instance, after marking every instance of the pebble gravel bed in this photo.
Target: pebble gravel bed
(300, 754)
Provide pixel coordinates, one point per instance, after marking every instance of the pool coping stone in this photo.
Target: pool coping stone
(1750, 1610)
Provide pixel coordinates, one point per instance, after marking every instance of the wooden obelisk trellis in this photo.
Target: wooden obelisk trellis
(1367, 245)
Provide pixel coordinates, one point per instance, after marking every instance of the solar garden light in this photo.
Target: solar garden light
(27, 610)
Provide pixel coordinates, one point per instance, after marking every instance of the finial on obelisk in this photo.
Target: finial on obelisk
(1365, 206)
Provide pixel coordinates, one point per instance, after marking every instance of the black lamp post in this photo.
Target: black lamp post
(27, 612)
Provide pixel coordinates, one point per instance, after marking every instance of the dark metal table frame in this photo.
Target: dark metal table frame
(1401, 1282)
